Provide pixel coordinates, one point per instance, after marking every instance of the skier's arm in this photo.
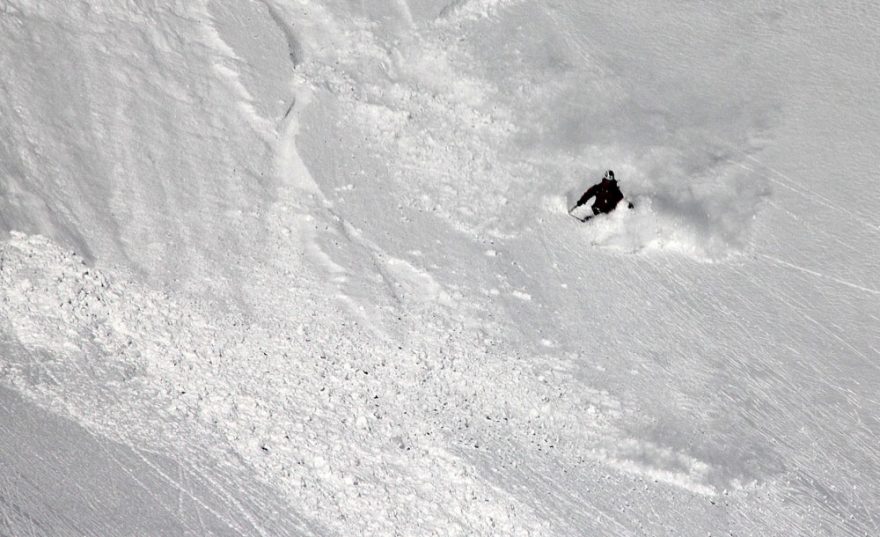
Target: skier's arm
(586, 197)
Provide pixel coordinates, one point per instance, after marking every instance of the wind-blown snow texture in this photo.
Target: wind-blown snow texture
(304, 268)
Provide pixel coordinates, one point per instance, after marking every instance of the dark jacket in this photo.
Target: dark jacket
(607, 194)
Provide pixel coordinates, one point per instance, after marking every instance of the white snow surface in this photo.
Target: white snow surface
(286, 267)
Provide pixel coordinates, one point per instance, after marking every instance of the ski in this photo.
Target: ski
(579, 219)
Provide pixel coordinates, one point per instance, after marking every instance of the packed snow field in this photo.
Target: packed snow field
(287, 267)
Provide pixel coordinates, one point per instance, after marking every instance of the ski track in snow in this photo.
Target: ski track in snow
(345, 289)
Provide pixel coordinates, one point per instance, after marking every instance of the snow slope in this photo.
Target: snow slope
(304, 268)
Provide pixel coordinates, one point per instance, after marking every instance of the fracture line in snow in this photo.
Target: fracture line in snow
(294, 48)
(289, 165)
(261, 125)
(820, 275)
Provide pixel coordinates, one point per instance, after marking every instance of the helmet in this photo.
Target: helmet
(609, 175)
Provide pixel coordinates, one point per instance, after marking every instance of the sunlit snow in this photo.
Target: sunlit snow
(286, 267)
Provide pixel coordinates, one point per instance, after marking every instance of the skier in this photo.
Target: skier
(607, 195)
